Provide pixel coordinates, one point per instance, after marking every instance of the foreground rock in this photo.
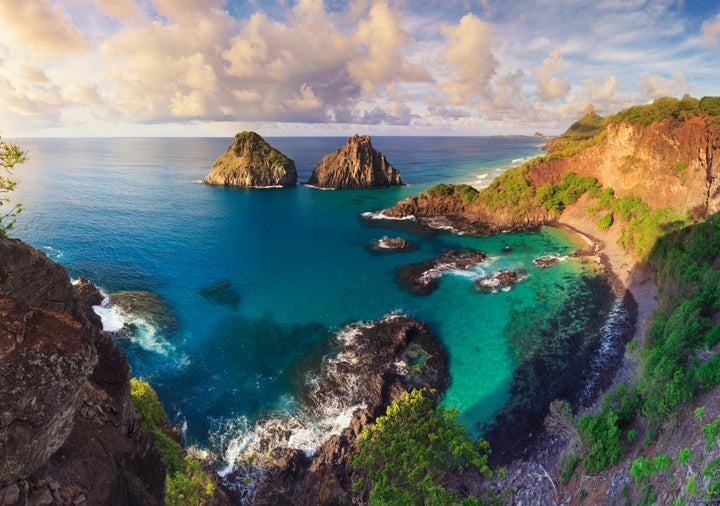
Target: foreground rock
(370, 366)
(423, 278)
(68, 429)
(355, 165)
(250, 162)
(392, 245)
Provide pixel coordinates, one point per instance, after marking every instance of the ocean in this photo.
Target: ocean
(290, 267)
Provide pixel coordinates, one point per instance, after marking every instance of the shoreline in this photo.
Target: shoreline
(532, 477)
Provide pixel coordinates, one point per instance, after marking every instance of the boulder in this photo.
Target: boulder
(250, 162)
(353, 166)
(499, 280)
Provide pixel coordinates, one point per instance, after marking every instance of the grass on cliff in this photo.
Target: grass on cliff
(186, 482)
(669, 108)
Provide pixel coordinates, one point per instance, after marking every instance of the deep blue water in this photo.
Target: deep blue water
(130, 214)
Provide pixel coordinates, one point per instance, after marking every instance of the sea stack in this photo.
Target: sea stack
(250, 162)
(355, 165)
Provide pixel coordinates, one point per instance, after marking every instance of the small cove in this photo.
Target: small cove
(129, 215)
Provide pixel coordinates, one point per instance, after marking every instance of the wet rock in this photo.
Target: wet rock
(422, 278)
(221, 293)
(499, 280)
(146, 305)
(545, 261)
(392, 245)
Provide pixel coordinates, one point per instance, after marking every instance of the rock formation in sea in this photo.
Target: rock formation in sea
(69, 433)
(423, 278)
(355, 165)
(501, 279)
(369, 366)
(147, 305)
(250, 162)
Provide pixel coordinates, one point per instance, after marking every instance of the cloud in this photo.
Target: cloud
(184, 9)
(654, 86)
(120, 9)
(381, 62)
(43, 28)
(710, 30)
(469, 52)
(549, 85)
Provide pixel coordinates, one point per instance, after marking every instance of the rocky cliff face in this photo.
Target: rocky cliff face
(251, 162)
(666, 163)
(68, 430)
(355, 165)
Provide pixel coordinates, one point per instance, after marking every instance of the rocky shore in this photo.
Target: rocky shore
(69, 433)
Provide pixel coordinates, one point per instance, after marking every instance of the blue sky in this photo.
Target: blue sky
(307, 67)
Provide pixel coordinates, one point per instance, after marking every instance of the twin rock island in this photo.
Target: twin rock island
(250, 162)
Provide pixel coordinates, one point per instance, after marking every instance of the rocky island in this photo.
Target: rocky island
(353, 166)
(250, 162)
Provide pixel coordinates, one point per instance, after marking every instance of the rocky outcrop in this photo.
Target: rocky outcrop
(355, 165)
(149, 306)
(250, 162)
(370, 366)
(423, 278)
(68, 431)
(500, 280)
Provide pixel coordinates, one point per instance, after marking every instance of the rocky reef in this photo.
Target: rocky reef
(355, 165)
(423, 278)
(69, 433)
(503, 279)
(250, 162)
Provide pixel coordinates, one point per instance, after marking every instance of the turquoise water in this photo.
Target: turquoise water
(129, 214)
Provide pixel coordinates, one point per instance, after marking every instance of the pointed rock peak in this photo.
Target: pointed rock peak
(355, 165)
(590, 111)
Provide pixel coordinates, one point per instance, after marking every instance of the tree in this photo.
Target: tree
(10, 156)
(413, 452)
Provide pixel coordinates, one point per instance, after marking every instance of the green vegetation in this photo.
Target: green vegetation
(410, 453)
(605, 222)
(260, 148)
(555, 197)
(10, 156)
(186, 482)
(669, 108)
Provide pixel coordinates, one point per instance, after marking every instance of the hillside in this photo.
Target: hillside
(642, 185)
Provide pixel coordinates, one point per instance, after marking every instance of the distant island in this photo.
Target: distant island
(353, 166)
(250, 162)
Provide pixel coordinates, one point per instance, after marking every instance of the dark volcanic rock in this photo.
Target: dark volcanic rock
(371, 365)
(545, 261)
(251, 162)
(221, 293)
(148, 305)
(89, 296)
(27, 274)
(45, 358)
(392, 245)
(499, 280)
(422, 278)
(355, 165)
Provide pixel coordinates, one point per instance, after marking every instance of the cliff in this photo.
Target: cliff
(250, 162)
(355, 165)
(631, 173)
(68, 429)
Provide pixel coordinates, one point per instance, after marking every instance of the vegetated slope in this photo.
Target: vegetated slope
(649, 179)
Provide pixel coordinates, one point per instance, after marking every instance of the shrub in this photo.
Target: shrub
(605, 222)
(409, 452)
(10, 156)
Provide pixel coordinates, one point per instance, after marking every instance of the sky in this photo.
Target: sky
(307, 67)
